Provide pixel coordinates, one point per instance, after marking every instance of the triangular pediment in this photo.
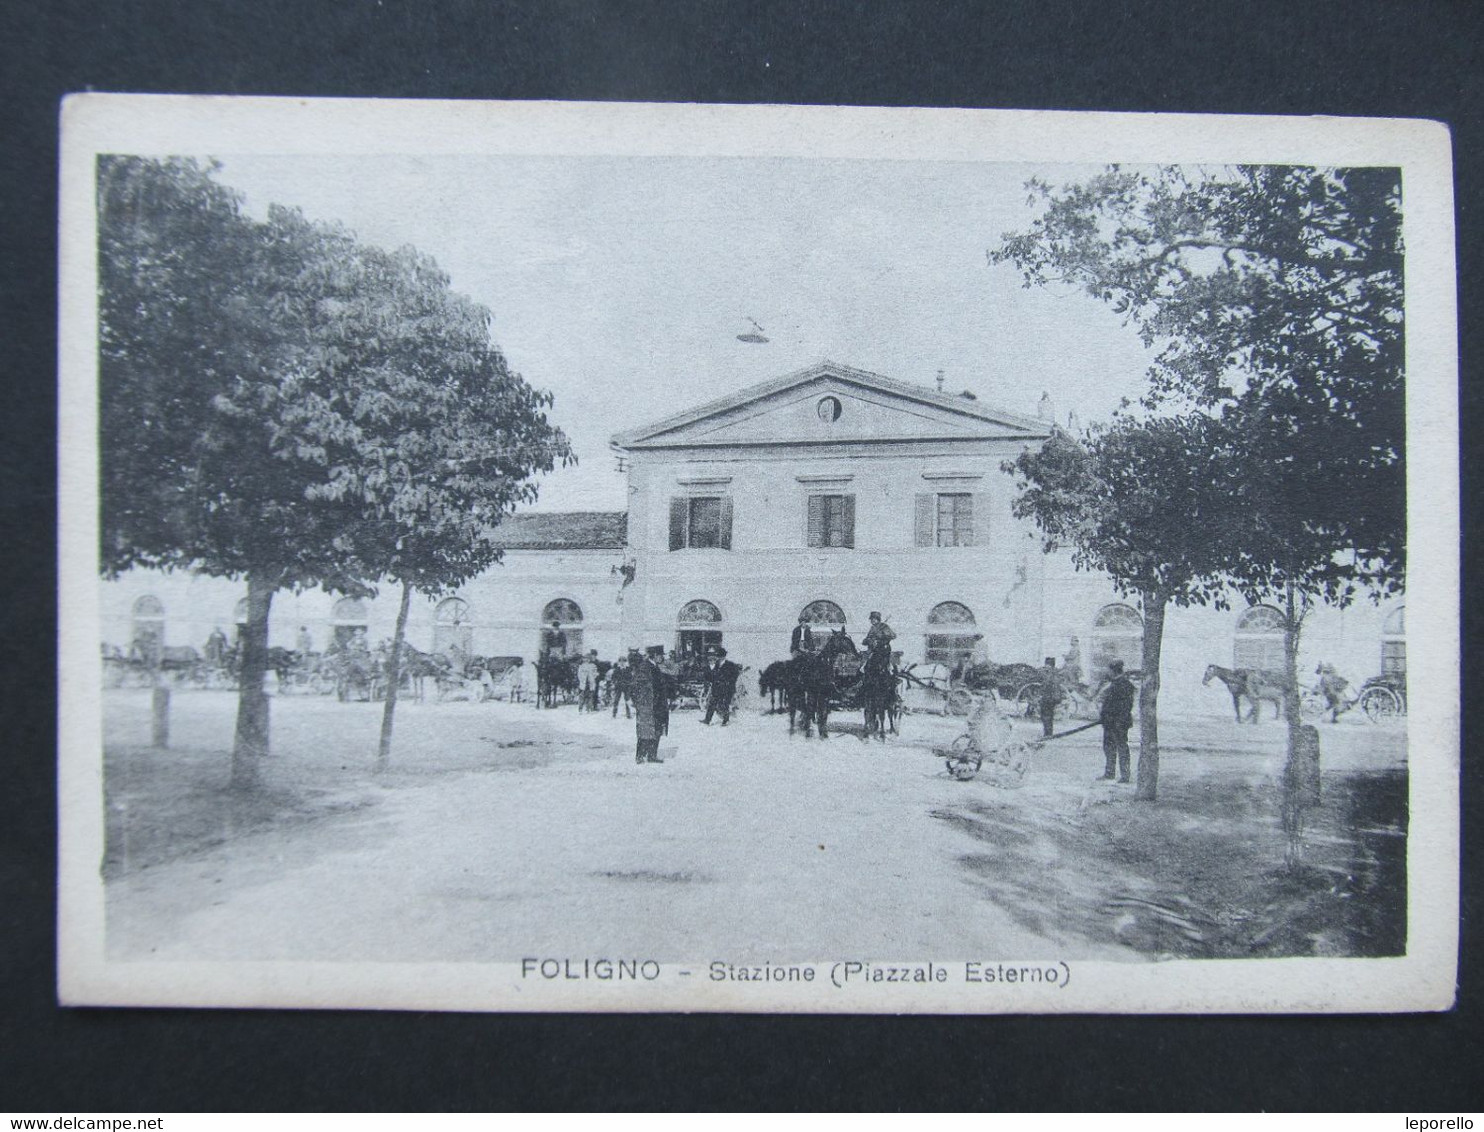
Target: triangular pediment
(831, 404)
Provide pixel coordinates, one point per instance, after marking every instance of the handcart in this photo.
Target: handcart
(989, 744)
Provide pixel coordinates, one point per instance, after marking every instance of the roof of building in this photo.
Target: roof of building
(564, 530)
(954, 404)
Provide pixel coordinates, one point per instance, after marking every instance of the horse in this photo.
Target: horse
(878, 692)
(773, 683)
(1254, 683)
(555, 675)
(810, 685)
(417, 666)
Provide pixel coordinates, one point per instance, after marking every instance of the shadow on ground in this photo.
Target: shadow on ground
(1198, 874)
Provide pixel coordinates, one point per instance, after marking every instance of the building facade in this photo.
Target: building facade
(825, 494)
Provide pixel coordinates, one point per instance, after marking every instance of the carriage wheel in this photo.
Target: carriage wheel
(1312, 705)
(1379, 704)
(1028, 700)
(964, 760)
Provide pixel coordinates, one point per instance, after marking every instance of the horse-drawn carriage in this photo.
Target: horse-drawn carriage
(1380, 697)
(813, 685)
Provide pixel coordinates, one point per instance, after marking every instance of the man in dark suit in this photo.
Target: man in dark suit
(651, 711)
(1117, 716)
(803, 637)
(721, 683)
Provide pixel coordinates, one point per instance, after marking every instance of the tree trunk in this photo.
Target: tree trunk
(251, 742)
(1293, 799)
(1147, 785)
(393, 680)
(160, 713)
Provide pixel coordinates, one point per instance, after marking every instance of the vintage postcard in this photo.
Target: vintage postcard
(611, 557)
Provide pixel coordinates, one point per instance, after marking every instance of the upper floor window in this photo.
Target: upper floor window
(701, 522)
(831, 520)
(945, 518)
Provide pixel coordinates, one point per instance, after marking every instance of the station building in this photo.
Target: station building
(827, 493)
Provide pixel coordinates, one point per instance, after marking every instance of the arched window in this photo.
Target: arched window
(239, 612)
(1394, 643)
(1259, 639)
(951, 634)
(148, 628)
(568, 614)
(451, 627)
(698, 628)
(825, 614)
(699, 613)
(1117, 634)
(824, 617)
(348, 617)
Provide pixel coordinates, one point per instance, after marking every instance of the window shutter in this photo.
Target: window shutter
(924, 524)
(849, 521)
(726, 523)
(976, 520)
(677, 522)
(815, 531)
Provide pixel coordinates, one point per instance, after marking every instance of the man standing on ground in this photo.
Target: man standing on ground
(1050, 697)
(1117, 716)
(622, 675)
(646, 686)
(721, 684)
(664, 683)
(587, 682)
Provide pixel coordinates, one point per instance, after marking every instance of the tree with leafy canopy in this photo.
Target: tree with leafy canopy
(443, 440)
(252, 385)
(1144, 504)
(1274, 297)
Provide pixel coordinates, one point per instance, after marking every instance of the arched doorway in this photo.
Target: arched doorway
(1259, 639)
(348, 616)
(147, 629)
(1394, 643)
(951, 634)
(1117, 634)
(824, 617)
(697, 628)
(568, 615)
(452, 631)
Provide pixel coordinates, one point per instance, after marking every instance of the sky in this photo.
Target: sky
(621, 284)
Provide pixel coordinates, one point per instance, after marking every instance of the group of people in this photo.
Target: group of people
(1115, 714)
(650, 687)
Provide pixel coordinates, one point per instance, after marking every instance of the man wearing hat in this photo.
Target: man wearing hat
(721, 684)
(1117, 716)
(803, 637)
(651, 706)
(587, 682)
(880, 634)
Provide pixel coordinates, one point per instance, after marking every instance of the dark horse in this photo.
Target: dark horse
(1254, 683)
(811, 682)
(556, 677)
(878, 692)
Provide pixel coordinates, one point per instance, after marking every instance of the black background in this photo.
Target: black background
(1356, 57)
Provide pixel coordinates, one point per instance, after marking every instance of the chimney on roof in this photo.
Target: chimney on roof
(1046, 411)
(940, 381)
